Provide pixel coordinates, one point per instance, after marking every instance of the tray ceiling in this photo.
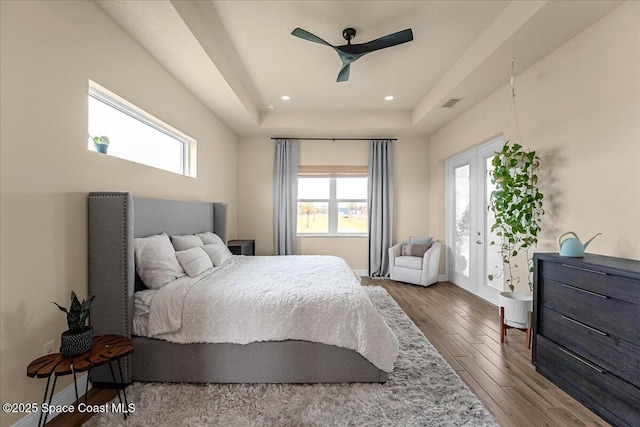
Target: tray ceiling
(239, 58)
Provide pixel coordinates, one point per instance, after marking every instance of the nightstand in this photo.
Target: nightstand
(242, 247)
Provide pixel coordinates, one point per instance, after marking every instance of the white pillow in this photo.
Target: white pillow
(195, 261)
(182, 243)
(210, 238)
(156, 261)
(218, 253)
(420, 240)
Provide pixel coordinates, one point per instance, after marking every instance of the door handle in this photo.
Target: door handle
(478, 242)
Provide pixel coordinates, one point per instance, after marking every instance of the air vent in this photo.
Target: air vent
(450, 103)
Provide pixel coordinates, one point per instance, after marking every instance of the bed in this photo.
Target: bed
(115, 219)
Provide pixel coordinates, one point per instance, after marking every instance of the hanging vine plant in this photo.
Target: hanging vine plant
(517, 205)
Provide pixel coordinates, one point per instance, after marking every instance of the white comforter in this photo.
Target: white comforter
(249, 299)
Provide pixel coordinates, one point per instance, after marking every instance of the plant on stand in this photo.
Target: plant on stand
(79, 337)
(517, 205)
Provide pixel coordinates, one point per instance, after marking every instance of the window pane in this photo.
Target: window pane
(313, 217)
(352, 217)
(351, 188)
(463, 222)
(134, 140)
(493, 259)
(313, 188)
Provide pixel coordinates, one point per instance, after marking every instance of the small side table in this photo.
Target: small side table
(242, 247)
(106, 349)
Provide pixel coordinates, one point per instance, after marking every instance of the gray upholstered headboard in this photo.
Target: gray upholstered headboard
(115, 219)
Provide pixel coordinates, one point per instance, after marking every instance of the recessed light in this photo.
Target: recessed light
(285, 98)
(388, 98)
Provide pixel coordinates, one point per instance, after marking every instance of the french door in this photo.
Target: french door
(473, 263)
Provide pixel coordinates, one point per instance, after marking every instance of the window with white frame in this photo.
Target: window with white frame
(135, 135)
(332, 205)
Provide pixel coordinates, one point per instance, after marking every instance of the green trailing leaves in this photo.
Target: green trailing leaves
(517, 205)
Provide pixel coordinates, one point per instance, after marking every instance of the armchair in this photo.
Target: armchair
(421, 271)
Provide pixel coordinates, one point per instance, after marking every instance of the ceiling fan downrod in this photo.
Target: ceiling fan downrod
(348, 34)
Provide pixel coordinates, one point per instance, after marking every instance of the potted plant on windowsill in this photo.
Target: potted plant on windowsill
(79, 337)
(101, 143)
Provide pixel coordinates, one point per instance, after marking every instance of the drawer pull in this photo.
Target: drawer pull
(580, 359)
(585, 291)
(585, 269)
(585, 326)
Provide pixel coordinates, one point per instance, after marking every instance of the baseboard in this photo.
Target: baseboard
(443, 278)
(66, 397)
(361, 273)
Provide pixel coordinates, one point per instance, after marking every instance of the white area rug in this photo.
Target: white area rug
(422, 390)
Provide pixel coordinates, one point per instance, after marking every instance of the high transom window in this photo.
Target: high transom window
(135, 135)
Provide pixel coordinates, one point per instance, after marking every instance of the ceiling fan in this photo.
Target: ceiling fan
(351, 52)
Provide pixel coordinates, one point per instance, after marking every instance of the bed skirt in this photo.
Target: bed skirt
(259, 362)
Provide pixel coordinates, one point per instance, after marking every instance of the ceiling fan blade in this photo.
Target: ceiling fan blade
(306, 35)
(343, 75)
(394, 39)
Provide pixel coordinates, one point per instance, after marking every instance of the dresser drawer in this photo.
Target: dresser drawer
(605, 393)
(618, 287)
(615, 355)
(610, 315)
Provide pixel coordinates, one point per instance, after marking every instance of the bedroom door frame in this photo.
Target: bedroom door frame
(480, 253)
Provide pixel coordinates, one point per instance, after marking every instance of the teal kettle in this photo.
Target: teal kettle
(572, 246)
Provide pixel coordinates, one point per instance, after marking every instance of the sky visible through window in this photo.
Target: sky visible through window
(313, 188)
(132, 139)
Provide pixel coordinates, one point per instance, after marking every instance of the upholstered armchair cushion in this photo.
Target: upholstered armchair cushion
(409, 262)
(421, 271)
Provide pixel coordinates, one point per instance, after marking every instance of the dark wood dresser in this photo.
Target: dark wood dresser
(587, 331)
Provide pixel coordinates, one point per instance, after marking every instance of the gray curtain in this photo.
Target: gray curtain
(285, 196)
(380, 206)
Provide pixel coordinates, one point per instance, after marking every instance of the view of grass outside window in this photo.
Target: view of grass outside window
(332, 205)
(134, 136)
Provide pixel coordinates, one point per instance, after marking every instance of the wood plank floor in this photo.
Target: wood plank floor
(464, 329)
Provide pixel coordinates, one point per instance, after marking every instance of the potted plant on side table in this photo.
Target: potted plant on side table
(79, 338)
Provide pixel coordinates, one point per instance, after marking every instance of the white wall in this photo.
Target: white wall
(579, 108)
(49, 51)
(256, 157)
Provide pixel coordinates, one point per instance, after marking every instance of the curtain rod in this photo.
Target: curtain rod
(337, 139)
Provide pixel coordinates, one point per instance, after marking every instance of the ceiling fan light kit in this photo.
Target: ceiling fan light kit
(349, 53)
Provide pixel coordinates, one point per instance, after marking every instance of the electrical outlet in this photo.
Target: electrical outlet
(49, 348)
